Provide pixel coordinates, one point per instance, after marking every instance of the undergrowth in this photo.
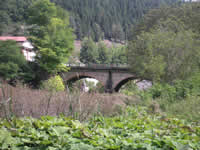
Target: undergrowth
(180, 99)
(134, 129)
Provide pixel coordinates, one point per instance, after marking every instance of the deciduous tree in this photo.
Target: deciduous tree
(103, 54)
(165, 55)
(88, 52)
(51, 35)
(165, 44)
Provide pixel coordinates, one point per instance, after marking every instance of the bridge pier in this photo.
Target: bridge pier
(109, 83)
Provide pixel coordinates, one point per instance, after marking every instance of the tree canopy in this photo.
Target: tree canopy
(88, 52)
(109, 18)
(13, 15)
(99, 53)
(166, 44)
(51, 35)
(89, 18)
(187, 15)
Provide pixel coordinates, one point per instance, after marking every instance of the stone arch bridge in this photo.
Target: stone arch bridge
(112, 77)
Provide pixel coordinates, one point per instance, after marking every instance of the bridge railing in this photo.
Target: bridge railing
(98, 65)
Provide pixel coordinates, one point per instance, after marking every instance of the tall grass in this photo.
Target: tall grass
(187, 108)
(22, 101)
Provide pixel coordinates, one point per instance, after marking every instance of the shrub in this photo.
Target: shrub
(178, 90)
(54, 84)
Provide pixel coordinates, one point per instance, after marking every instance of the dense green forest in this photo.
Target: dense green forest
(165, 43)
(107, 18)
(13, 14)
(110, 19)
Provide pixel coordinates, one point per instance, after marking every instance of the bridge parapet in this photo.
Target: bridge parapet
(98, 65)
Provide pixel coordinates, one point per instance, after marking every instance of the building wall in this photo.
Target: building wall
(29, 54)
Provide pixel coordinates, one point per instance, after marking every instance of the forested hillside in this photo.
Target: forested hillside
(13, 14)
(107, 18)
(110, 19)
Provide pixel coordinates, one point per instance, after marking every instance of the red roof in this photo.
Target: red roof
(14, 38)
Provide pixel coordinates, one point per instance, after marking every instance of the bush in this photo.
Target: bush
(180, 99)
(178, 90)
(54, 84)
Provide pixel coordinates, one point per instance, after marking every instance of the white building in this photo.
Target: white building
(28, 51)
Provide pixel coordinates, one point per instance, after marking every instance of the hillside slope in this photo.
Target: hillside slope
(99, 19)
(110, 19)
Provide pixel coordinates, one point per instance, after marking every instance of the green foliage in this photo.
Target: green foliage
(180, 89)
(187, 108)
(98, 34)
(110, 19)
(187, 13)
(12, 60)
(130, 88)
(180, 100)
(6, 140)
(164, 47)
(51, 35)
(41, 12)
(164, 54)
(88, 52)
(99, 53)
(118, 55)
(98, 87)
(54, 84)
(8, 70)
(165, 44)
(133, 129)
(103, 54)
(99, 19)
(117, 32)
(13, 14)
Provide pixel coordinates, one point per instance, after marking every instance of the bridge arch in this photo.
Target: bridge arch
(123, 82)
(74, 76)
